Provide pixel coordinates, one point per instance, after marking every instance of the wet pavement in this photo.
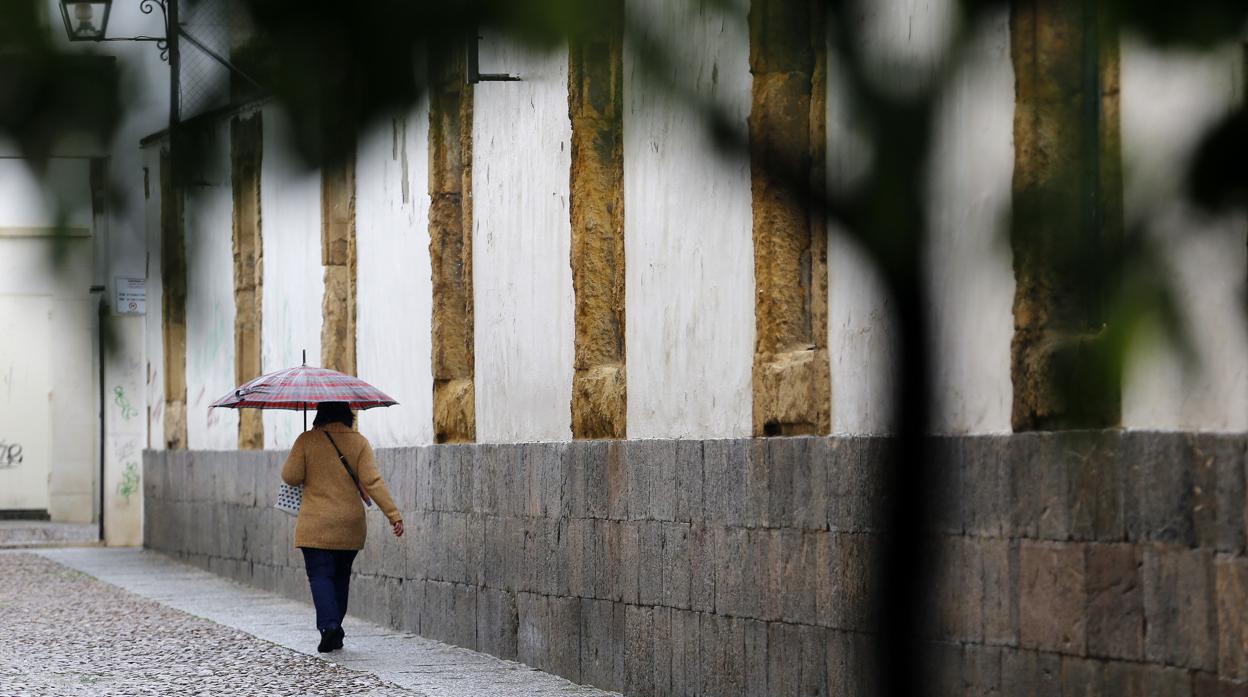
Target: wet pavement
(98, 621)
(66, 633)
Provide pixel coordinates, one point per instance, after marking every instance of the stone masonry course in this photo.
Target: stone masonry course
(1066, 561)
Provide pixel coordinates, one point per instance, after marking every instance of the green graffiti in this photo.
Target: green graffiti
(129, 481)
(123, 403)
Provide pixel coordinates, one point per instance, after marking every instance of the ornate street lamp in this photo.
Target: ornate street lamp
(85, 21)
(88, 21)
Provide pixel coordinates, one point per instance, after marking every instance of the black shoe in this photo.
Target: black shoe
(338, 635)
(328, 636)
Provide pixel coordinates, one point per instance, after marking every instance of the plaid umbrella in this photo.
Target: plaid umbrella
(303, 387)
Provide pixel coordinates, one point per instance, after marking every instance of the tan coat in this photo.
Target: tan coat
(332, 514)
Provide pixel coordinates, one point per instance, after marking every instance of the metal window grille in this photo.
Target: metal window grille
(204, 83)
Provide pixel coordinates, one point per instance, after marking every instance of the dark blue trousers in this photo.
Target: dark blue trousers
(329, 575)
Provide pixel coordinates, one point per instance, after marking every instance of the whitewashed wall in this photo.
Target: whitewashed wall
(210, 309)
(154, 345)
(970, 286)
(861, 341)
(290, 210)
(1168, 99)
(394, 286)
(689, 252)
(688, 234)
(969, 261)
(522, 278)
(861, 333)
(125, 429)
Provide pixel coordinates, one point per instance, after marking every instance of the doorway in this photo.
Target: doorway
(25, 405)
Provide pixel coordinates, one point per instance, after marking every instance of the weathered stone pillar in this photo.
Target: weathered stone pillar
(1067, 213)
(792, 382)
(173, 304)
(338, 257)
(246, 152)
(595, 106)
(450, 252)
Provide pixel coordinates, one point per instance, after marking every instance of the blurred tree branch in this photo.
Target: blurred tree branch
(337, 68)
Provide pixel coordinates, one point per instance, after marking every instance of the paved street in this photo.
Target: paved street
(69, 634)
(97, 621)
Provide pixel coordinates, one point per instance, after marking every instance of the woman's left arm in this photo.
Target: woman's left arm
(371, 480)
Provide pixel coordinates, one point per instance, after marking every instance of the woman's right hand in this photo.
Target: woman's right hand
(398, 528)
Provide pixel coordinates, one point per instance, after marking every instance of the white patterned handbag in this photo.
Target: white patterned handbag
(289, 498)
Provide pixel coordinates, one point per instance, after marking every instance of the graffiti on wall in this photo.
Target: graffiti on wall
(126, 454)
(123, 403)
(10, 454)
(129, 484)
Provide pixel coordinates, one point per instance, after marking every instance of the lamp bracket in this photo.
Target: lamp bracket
(473, 74)
(147, 7)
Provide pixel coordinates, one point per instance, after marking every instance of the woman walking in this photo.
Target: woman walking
(335, 466)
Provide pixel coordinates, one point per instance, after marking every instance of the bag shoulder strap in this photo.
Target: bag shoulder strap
(342, 458)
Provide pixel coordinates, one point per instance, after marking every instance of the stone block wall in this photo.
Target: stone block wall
(1082, 562)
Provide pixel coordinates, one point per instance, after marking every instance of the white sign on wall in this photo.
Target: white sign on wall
(131, 296)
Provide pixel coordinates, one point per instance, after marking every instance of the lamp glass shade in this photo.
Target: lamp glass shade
(85, 21)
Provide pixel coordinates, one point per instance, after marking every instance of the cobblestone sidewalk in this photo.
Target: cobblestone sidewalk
(66, 633)
(134, 622)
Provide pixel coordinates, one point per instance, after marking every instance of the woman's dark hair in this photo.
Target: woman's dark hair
(334, 412)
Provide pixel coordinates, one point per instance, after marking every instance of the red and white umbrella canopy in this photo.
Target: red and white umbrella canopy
(304, 387)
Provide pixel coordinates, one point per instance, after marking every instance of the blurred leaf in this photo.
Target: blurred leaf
(1196, 23)
(1199, 23)
(48, 96)
(339, 66)
(1218, 178)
